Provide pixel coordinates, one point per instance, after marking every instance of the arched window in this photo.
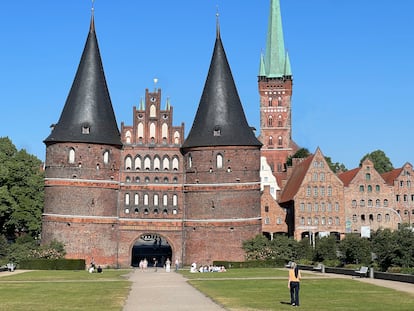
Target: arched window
(153, 111)
(157, 163)
(164, 131)
(279, 101)
(270, 121)
(71, 156)
(377, 203)
(369, 188)
(155, 199)
(270, 102)
(145, 199)
(128, 137)
(136, 199)
(219, 161)
(106, 157)
(279, 121)
(147, 163)
(354, 203)
(137, 163)
(140, 131)
(385, 203)
(270, 140)
(176, 138)
(190, 160)
(175, 200)
(128, 163)
(152, 132)
(165, 200)
(166, 164)
(367, 176)
(175, 164)
(280, 141)
(126, 198)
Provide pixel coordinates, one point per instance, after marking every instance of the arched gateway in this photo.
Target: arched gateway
(151, 247)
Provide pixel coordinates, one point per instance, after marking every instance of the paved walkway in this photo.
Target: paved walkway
(160, 291)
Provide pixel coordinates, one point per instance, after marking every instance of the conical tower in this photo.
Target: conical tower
(88, 116)
(221, 163)
(275, 90)
(82, 166)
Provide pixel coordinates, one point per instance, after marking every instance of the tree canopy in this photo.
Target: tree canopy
(21, 191)
(381, 162)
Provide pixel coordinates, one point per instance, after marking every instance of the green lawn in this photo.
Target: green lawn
(236, 289)
(64, 290)
(266, 289)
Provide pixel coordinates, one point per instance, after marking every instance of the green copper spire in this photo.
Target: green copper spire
(262, 70)
(276, 63)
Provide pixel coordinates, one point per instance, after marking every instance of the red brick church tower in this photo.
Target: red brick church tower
(275, 89)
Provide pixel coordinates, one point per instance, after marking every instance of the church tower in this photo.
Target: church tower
(275, 90)
(221, 167)
(82, 166)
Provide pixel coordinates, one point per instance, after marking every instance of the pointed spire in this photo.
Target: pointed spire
(288, 70)
(168, 105)
(220, 119)
(262, 70)
(141, 104)
(275, 57)
(217, 24)
(88, 114)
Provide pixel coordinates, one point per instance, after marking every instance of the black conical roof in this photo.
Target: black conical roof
(220, 119)
(88, 115)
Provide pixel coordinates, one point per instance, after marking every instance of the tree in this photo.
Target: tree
(300, 154)
(336, 167)
(381, 162)
(21, 191)
(384, 247)
(355, 249)
(325, 249)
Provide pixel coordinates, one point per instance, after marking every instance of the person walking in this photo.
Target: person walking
(294, 284)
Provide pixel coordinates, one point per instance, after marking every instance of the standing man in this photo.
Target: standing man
(294, 284)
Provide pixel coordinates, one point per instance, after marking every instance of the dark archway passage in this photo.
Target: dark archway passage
(151, 247)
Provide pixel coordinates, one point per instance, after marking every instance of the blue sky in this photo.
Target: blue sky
(352, 63)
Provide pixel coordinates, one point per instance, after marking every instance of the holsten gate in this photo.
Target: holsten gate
(146, 191)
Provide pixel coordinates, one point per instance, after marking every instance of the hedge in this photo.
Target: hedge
(52, 264)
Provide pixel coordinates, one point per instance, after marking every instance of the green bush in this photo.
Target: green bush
(269, 263)
(52, 264)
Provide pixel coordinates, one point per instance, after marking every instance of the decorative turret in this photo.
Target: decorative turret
(220, 119)
(88, 116)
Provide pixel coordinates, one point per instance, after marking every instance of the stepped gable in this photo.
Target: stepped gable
(220, 119)
(87, 116)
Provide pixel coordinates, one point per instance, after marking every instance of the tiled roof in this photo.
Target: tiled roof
(346, 177)
(293, 184)
(220, 119)
(88, 114)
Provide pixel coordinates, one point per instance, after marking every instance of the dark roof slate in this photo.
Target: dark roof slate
(220, 118)
(88, 114)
